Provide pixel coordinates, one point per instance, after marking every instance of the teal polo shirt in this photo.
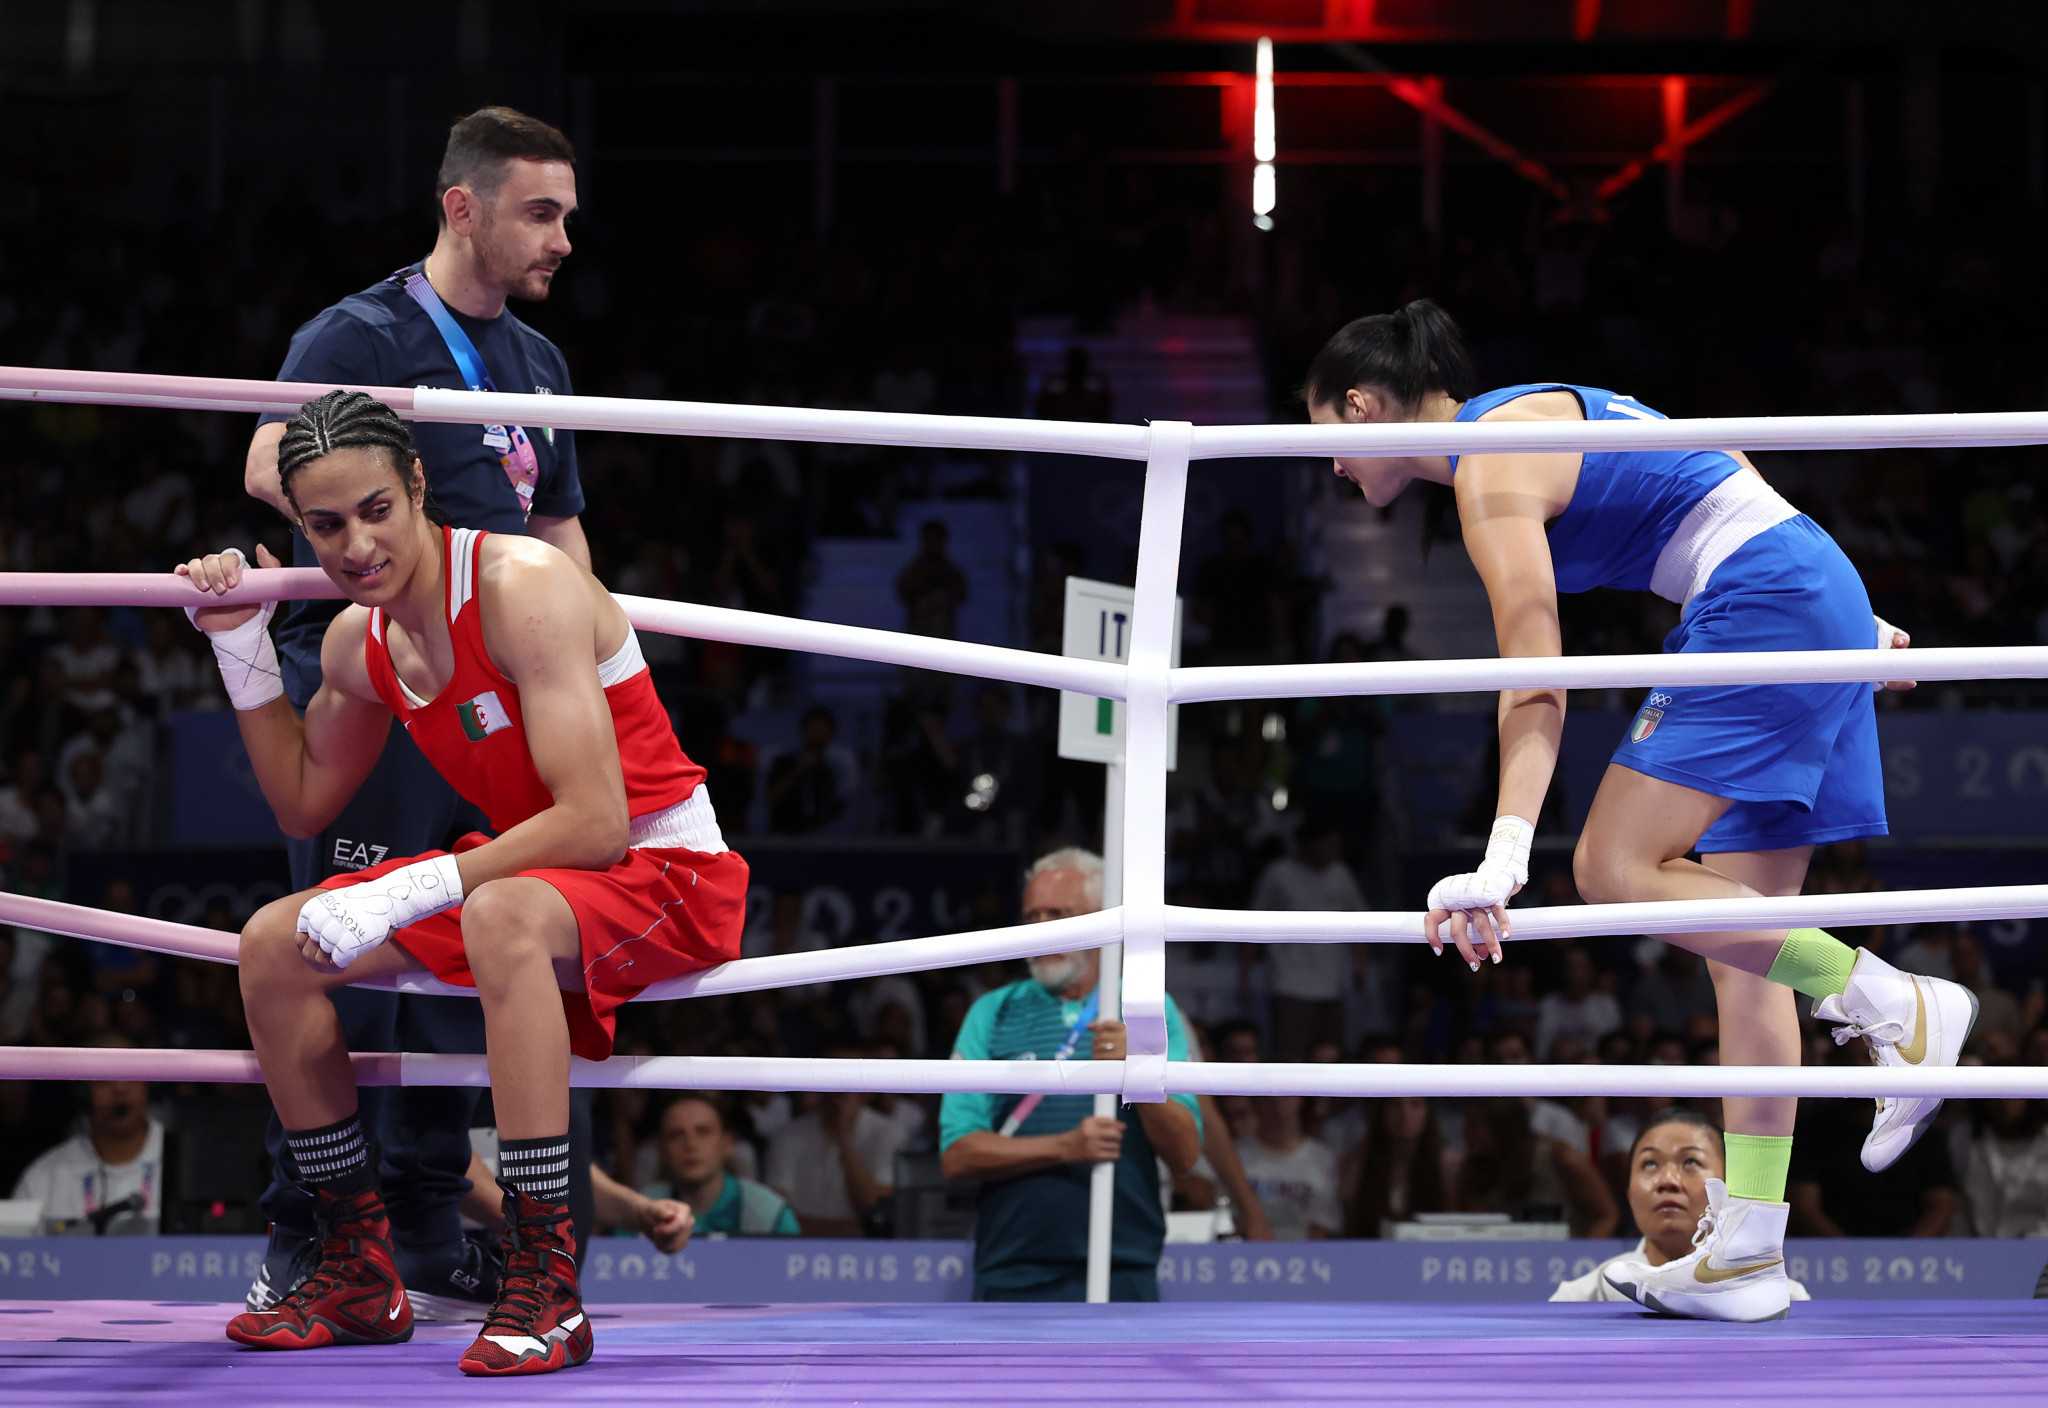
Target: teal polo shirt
(744, 1209)
(1034, 1228)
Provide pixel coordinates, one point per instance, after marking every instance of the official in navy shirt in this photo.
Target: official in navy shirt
(507, 186)
(381, 337)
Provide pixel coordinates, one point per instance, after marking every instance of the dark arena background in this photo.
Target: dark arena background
(884, 326)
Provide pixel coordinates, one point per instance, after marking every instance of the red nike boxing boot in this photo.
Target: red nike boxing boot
(538, 1324)
(353, 1296)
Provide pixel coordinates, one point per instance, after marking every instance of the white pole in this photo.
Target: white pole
(1148, 714)
(1102, 1179)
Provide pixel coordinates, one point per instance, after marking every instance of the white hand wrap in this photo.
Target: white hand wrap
(349, 923)
(1885, 631)
(247, 656)
(1505, 869)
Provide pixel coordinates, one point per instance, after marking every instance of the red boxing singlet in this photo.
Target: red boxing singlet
(673, 904)
(473, 733)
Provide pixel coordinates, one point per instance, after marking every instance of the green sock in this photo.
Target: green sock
(1814, 962)
(1757, 1164)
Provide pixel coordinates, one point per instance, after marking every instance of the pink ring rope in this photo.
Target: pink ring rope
(197, 393)
(1078, 932)
(76, 921)
(259, 584)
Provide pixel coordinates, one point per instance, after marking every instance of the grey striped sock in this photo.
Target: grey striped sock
(334, 1157)
(538, 1168)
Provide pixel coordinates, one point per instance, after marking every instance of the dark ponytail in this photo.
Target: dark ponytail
(1406, 355)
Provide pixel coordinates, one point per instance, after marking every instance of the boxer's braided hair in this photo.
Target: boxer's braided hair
(345, 420)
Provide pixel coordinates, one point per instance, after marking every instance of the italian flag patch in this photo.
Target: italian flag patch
(483, 716)
(1645, 725)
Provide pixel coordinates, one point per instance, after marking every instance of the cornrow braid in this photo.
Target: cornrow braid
(343, 420)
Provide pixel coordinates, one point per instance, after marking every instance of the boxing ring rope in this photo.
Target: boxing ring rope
(1081, 931)
(1143, 923)
(919, 1077)
(1129, 442)
(1186, 684)
(1105, 927)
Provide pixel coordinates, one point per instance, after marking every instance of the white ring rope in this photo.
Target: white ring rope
(432, 404)
(1587, 921)
(1178, 925)
(1108, 681)
(1185, 684)
(1131, 442)
(1143, 922)
(682, 618)
(1982, 662)
(918, 1077)
(1959, 430)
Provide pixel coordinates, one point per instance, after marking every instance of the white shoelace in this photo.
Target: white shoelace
(1888, 1033)
(1710, 1221)
(1891, 1032)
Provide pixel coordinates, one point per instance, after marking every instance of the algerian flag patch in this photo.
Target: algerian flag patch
(483, 716)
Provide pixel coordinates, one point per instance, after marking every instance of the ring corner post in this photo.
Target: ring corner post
(1151, 657)
(1141, 875)
(1150, 679)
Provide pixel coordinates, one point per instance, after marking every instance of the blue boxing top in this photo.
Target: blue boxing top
(1627, 503)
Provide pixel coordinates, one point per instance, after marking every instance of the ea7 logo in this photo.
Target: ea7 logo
(357, 855)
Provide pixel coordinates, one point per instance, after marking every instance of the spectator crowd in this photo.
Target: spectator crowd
(1276, 806)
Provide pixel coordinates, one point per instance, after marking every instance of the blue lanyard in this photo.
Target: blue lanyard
(468, 360)
(1024, 1107)
(1081, 1021)
(514, 450)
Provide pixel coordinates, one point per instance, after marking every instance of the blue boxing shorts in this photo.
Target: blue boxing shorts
(1800, 762)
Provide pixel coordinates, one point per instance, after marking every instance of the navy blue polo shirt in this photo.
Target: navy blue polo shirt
(380, 337)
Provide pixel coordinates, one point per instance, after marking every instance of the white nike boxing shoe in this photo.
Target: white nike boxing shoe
(1736, 1272)
(1909, 1021)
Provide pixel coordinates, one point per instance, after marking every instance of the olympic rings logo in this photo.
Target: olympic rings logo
(182, 904)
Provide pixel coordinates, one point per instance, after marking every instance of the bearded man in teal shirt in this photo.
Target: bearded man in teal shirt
(1031, 1232)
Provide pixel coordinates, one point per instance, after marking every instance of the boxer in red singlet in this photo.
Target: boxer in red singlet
(522, 682)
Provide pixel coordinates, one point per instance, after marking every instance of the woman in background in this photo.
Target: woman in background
(1669, 1165)
(1509, 1168)
(1398, 1171)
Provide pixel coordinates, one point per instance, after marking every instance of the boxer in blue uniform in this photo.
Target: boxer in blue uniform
(1750, 777)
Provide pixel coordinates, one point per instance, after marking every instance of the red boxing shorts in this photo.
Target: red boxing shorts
(657, 914)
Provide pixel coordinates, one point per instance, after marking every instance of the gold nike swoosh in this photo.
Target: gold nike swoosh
(1916, 1049)
(1707, 1275)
